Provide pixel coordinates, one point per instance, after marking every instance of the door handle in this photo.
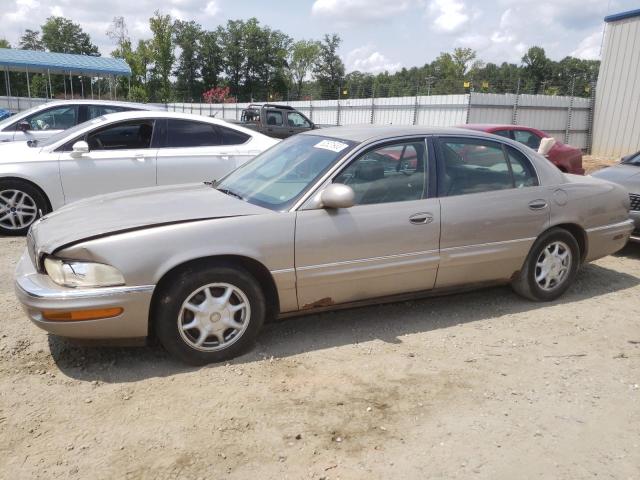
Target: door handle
(421, 218)
(537, 204)
(139, 157)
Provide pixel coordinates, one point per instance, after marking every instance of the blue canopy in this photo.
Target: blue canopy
(66, 63)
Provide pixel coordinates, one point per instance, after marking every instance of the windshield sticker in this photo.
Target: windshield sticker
(331, 145)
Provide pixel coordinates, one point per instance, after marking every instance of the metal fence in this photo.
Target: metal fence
(569, 119)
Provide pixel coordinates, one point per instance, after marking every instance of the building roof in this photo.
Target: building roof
(41, 62)
(622, 15)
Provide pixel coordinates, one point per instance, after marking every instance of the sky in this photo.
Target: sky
(377, 35)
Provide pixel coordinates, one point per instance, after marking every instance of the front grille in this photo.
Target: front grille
(635, 201)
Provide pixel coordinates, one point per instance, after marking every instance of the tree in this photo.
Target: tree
(30, 40)
(162, 53)
(234, 53)
(462, 59)
(62, 35)
(187, 37)
(4, 43)
(304, 55)
(212, 57)
(329, 69)
(537, 67)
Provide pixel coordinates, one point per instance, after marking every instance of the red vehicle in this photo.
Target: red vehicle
(565, 157)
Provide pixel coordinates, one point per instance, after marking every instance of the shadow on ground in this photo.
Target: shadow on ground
(325, 330)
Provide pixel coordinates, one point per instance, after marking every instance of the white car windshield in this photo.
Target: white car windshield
(68, 133)
(276, 178)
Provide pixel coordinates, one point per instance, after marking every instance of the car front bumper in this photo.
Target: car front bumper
(38, 293)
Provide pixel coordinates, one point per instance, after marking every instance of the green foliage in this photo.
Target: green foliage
(329, 69)
(62, 35)
(31, 40)
(304, 55)
(4, 43)
(187, 37)
(162, 48)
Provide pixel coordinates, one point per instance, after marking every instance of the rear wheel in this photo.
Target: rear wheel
(20, 205)
(550, 267)
(209, 315)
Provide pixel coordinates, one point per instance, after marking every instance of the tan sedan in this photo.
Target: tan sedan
(322, 220)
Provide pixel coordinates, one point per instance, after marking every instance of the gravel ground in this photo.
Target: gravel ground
(476, 385)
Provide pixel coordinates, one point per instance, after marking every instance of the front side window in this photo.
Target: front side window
(278, 177)
(294, 119)
(474, 166)
(127, 135)
(274, 117)
(57, 118)
(186, 133)
(528, 138)
(393, 173)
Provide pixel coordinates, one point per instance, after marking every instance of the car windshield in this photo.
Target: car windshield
(277, 178)
(69, 132)
(632, 160)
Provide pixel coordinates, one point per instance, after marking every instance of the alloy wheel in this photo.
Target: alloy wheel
(553, 265)
(18, 209)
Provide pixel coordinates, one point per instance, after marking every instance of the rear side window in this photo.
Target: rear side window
(95, 111)
(502, 133)
(186, 133)
(56, 118)
(523, 173)
(530, 139)
(475, 166)
(230, 136)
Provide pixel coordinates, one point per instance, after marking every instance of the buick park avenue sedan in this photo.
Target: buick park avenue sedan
(351, 216)
(114, 152)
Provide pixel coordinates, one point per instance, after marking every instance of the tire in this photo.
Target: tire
(21, 204)
(532, 282)
(183, 301)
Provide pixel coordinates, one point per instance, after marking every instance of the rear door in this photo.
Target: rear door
(274, 121)
(121, 157)
(194, 152)
(492, 210)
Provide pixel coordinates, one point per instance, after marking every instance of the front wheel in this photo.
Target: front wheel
(550, 267)
(209, 315)
(20, 205)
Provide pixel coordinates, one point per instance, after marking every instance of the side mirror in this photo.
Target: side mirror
(546, 144)
(24, 126)
(337, 195)
(80, 148)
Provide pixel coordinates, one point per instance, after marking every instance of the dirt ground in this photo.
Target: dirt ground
(476, 385)
(591, 163)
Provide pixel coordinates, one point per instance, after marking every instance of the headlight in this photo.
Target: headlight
(70, 273)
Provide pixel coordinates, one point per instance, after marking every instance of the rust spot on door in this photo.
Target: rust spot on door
(323, 302)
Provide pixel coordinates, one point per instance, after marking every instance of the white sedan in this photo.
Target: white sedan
(119, 151)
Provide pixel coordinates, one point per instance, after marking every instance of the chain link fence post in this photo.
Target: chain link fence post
(567, 129)
(415, 108)
(373, 104)
(592, 104)
(516, 100)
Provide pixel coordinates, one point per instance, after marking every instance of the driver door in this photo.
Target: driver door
(121, 157)
(386, 244)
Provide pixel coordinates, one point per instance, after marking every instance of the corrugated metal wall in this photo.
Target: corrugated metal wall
(566, 118)
(616, 129)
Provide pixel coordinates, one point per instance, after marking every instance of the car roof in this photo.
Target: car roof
(132, 114)
(364, 133)
(483, 127)
(115, 103)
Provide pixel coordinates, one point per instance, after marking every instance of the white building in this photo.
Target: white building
(616, 129)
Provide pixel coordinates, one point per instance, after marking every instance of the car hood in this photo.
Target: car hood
(626, 175)
(135, 209)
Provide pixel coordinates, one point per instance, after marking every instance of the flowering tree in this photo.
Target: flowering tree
(216, 95)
